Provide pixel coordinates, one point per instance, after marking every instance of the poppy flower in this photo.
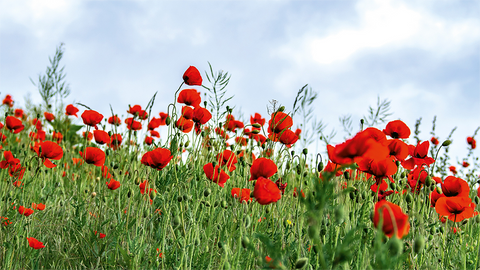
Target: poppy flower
(288, 138)
(18, 113)
(454, 208)
(434, 196)
(25, 211)
(418, 156)
(148, 140)
(8, 101)
(192, 76)
(87, 135)
(10, 160)
(93, 155)
(380, 168)
(101, 137)
(71, 110)
(295, 193)
(113, 184)
(136, 109)
(398, 149)
(257, 119)
(280, 121)
(39, 206)
(187, 112)
(184, 124)
(13, 124)
(465, 164)
(91, 118)
(57, 136)
(332, 167)
(154, 133)
(227, 158)
(281, 186)
(49, 116)
(216, 174)
(392, 216)
(5, 221)
(455, 187)
(34, 243)
(262, 167)
(163, 118)
(49, 150)
(133, 124)
(114, 120)
(154, 123)
(397, 130)
(201, 115)
(144, 188)
(471, 141)
(266, 191)
(434, 141)
(157, 159)
(115, 141)
(101, 235)
(231, 124)
(243, 195)
(452, 169)
(190, 97)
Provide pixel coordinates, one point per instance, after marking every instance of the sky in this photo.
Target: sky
(422, 56)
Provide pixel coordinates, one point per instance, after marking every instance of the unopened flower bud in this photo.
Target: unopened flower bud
(207, 192)
(305, 151)
(418, 244)
(446, 143)
(320, 166)
(281, 109)
(245, 242)
(409, 198)
(439, 190)
(301, 263)
(256, 125)
(255, 131)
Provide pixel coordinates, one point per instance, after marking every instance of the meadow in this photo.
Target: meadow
(85, 190)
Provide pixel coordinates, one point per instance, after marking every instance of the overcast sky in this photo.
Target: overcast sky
(423, 56)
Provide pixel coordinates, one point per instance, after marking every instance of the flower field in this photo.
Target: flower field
(86, 190)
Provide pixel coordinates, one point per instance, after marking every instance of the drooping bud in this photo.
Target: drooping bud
(301, 263)
(395, 246)
(245, 242)
(409, 198)
(256, 125)
(418, 244)
(446, 143)
(168, 120)
(255, 131)
(305, 151)
(281, 109)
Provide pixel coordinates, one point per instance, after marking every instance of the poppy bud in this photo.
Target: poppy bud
(176, 221)
(281, 109)
(255, 131)
(247, 221)
(320, 166)
(224, 204)
(418, 244)
(153, 195)
(409, 198)
(403, 175)
(187, 143)
(362, 121)
(245, 242)
(446, 143)
(220, 244)
(301, 263)
(207, 192)
(305, 151)
(256, 125)
(168, 120)
(433, 231)
(395, 246)
(428, 181)
(477, 200)
(442, 230)
(439, 190)
(346, 175)
(180, 198)
(293, 153)
(392, 185)
(477, 218)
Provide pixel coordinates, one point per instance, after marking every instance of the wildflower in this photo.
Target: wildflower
(13, 124)
(419, 156)
(34, 243)
(101, 137)
(397, 130)
(133, 124)
(257, 119)
(93, 155)
(71, 110)
(25, 211)
(160, 254)
(216, 174)
(266, 191)
(279, 122)
(113, 184)
(87, 135)
(455, 187)
(115, 141)
(452, 169)
(471, 141)
(398, 149)
(434, 140)
(163, 118)
(114, 120)
(39, 206)
(184, 124)
(8, 101)
(157, 159)
(295, 194)
(465, 164)
(455, 208)
(91, 118)
(49, 150)
(192, 76)
(49, 116)
(262, 167)
(5, 221)
(19, 113)
(394, 220)
(227, 158)
(148, 140)
(201, 115)
(190, 97)
(57, 136)
(243, 195)
(101, 235)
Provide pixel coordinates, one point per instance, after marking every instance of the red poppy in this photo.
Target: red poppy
(380, 168)
(190, 97)
(91, 118)
(39, 206)
(34, 243)
(201, 115)
(115, 141)
(163, 118)
(418, 174)
(434, 141)
(216, 174)
(10, 160)
(231, 124)
(148, 140)
(184, 124)
(465, 164)
(49, 150)
(227, 158)
(8, 101)
(157, 159)
(133, 124)
(398, 149)
(243, 195)
(397, 130)
(259, 138)
(453, 169)
(71, 110)
(257, 119)
(192, 76)
(101, 235)
(288, 138)
(101, 137)
(332, 167)
(280, 121)
(25, 211)
(434, 196)
(136, 109)
(13, 124)
(154, 123)
(455, 187)
(455, 208)
(419, 156)
(49, 116)
(87, 135)
(18, 113)
(295, 193)
(57, 136)
(392, 216)
(187, 112)
(154, 133)
(144, 188)
(94, 155)
(471, 141)
(266, 191)
(113, 184)
(114, 120)
(262, 167)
